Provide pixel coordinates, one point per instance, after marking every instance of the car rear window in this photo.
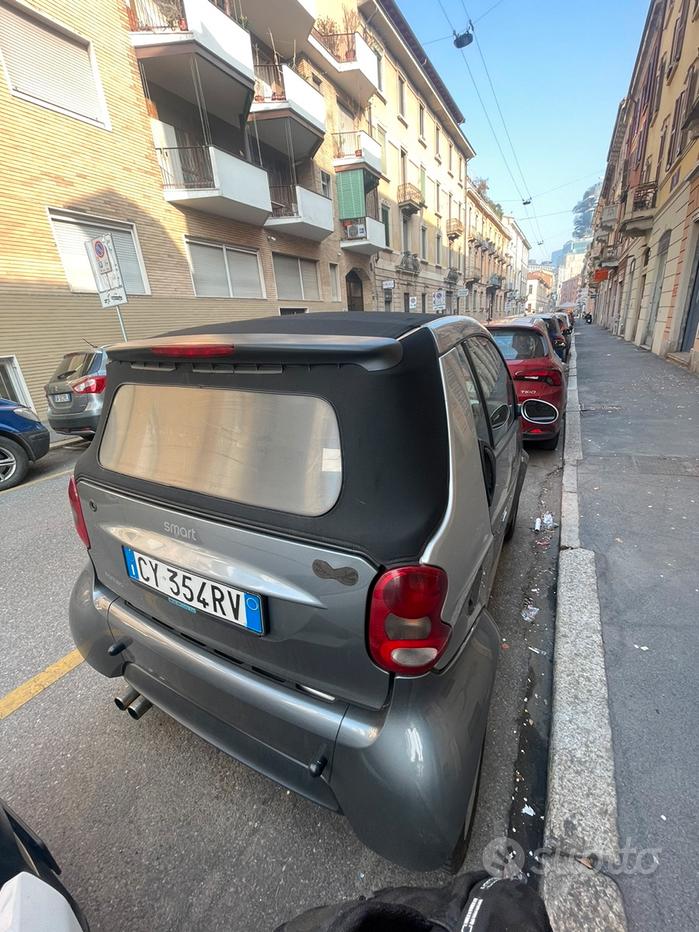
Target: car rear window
(519, 344)
(258, 448)
(74, 366)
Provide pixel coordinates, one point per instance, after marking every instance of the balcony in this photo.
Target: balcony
(365, 236)
(640, 210)
(609, 258)
(287, 111)
(452, 276)
(610, 215)
(352, 63)
(356, 150)
(216, 182)
(408, 262)
(289, 21)
(472, 273)
(410, 198)
(301, 212)
(455, 229)
(495, 282)
(167, 33)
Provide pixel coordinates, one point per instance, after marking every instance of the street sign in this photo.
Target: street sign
(389, 283)
(412, 303)
(105, 270)
(439, 300)
(462, 293)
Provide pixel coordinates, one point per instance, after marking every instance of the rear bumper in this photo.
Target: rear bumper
(82, 423)
(38, 442)
(401, 775)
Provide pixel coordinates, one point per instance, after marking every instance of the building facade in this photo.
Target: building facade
(236, 153)
(539, 291)
(642, 266)
(518, 255)
(489, 262)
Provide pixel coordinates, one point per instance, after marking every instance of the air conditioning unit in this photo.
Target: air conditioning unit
(356, 231)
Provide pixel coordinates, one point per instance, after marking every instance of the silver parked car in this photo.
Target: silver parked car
(293, 527)
(75, 392)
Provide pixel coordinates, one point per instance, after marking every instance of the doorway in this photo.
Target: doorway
(355, 291)
(689, 334)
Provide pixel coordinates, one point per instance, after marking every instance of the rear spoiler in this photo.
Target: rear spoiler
(371, 353)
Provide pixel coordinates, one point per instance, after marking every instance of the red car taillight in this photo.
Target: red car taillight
(93, 385)
(77, 509)
(550, 376)
(406, 631)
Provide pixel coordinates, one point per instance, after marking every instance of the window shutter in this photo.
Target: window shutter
(47, 65)
(309, 277)
(672, 144)
(350, 195)
(71, 236)
(209, 271)
(244, 272)
(286, 273)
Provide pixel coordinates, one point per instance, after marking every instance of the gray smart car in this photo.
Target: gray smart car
(75, 392)
(293, 527)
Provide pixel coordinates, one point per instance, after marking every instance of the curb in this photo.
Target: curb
(580, 828)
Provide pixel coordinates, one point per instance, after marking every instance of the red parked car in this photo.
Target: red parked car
(539, 377)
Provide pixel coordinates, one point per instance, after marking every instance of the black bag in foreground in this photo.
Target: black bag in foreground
(473, 902)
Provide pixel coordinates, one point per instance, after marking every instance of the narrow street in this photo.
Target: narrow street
(639, 513)
(155, 828)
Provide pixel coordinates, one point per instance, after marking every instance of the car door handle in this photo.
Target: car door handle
(489, 471)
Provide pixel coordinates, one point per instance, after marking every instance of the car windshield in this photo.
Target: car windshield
(74, 365)
(519, 344)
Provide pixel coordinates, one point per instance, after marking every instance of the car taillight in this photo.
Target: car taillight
(77, 509)
(200, 351)
(93, 385)
(550, 376)
(406, 631)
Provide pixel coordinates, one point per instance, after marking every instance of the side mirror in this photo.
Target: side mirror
(518, 410)
(500, 416)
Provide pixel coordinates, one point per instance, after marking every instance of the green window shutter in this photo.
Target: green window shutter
(350, 194)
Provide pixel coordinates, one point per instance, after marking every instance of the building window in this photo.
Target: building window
(438, 249)
(296, 278)
(50, 67)
(423, 183)
(325, 184)
(386, 220)
(221, 271)
(437, 138)
(451, 159)
(422, 121)
(423, 242)
(437, 197)
(401, 96)
(292, 311)
(403, 166)
(72, 231)
(334, 282)
(379, 70)
(381, 133)
(461, 170)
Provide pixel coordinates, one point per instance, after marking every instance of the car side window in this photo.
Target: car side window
(473, 396)
(495, 385)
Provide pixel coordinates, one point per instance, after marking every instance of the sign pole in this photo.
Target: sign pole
(121, 323)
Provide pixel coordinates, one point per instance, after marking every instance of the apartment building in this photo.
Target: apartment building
(489, 262)
(518, 258)
(231, 149)
(539, 291)
(642, 265)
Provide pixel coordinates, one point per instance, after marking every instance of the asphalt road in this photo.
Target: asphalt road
(155, 829)
(638, 484)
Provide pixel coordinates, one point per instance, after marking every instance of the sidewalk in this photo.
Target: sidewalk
(638, 489)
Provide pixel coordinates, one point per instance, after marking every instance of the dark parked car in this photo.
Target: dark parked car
(23, 440)
(566, 327)
(75, 392)
(293, 526)
(556, 335)
(539, 377)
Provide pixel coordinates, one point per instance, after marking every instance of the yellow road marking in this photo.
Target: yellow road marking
(17, 697)
(25, 485)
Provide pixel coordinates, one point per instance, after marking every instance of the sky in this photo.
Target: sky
(559, 69)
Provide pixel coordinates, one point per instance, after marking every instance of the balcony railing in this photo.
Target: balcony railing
(186, 167)
(455, 228)
(157, 16)
(610, 255)
(350, 144)
(342, 46)
(410, 196)
(269, 83)
(284, 200)
(644, 196)
(472, 272)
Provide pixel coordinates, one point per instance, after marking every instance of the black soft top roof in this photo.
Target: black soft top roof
(338, 323)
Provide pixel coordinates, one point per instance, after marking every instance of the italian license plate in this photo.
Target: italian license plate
(64, 396)
(196, 593)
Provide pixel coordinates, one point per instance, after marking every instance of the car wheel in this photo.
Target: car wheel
(14, 463)
(549, 444)
(456, 858)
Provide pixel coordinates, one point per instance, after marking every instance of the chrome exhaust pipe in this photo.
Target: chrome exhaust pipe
(139, 707)
(123, 702)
